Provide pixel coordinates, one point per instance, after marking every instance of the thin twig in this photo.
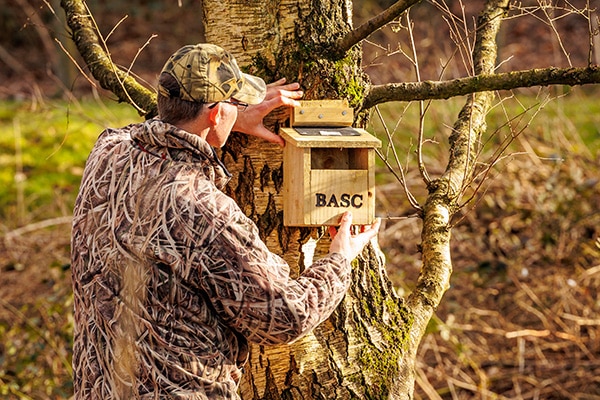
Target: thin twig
(415, 61)
(107, 53)
(91, 82)
(558, 38)
(37, 226)
(139, 51)
(365, 30)
(402, 177)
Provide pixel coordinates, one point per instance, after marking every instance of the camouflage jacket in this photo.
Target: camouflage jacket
(171, 279)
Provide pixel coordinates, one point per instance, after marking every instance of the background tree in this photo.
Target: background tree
(368, 348)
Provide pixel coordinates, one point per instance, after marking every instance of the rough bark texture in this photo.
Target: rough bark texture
(356, 353)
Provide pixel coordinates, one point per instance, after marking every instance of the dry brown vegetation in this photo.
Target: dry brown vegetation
(521, 319)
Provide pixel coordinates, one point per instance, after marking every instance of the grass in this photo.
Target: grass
(43, 147)
(559, 121)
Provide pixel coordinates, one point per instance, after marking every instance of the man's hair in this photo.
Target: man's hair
(173, 109)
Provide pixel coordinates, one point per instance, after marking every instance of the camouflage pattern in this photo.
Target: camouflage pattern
(171, 279)
(206, 73)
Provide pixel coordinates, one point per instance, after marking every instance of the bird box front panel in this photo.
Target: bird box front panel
(333, 192)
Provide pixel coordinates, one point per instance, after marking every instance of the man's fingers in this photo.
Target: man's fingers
(278, 101)
(345, 242)
(277, 86)
(278, 82)
(368, 232)
(375, 225)
(371, 231)
(293, 91)
(346, 222)
(277, 90)
(332, 231)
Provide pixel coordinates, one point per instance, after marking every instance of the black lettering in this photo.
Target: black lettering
(345, 200)
(332, 201)
(355, 203)
(320, 200)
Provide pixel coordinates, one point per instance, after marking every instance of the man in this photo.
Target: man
(171, 279)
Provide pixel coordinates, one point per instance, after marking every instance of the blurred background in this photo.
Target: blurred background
(521, 320)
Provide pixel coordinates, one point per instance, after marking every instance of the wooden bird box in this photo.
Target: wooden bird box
(328, 166)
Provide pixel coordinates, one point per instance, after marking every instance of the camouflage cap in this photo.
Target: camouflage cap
(206, 73)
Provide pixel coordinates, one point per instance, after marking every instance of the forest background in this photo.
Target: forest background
(521, 319)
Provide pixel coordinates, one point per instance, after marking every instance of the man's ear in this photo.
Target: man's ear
(214, 114)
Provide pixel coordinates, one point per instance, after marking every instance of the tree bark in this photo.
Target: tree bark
(430, 90)
(355, 354)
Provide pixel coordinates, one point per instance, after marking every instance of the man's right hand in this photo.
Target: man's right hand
(347, 244)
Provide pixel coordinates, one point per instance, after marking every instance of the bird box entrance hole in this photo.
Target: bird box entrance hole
(343, 158)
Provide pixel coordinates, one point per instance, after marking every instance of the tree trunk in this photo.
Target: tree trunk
(356, 353)
(445, 193)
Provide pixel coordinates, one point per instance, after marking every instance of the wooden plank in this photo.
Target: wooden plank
(296, 179)
(363, 139)
(322, 113)
(334, 192)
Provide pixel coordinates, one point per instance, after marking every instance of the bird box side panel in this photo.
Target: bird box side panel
(296, 181)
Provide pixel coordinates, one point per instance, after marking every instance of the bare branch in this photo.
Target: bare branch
(110, 77)
(421, 164)
(593, 31)
(363, 31)
(552, 25)
(427, 90)
(400, 177)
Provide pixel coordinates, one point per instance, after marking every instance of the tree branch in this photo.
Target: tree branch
(110, 77)
(346, 42)
(445, 192)
(429, 90)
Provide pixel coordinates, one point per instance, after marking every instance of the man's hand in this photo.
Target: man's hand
(278, 94)
(347, 244)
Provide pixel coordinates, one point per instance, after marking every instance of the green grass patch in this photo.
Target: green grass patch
(551, 123)
(43, 149)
